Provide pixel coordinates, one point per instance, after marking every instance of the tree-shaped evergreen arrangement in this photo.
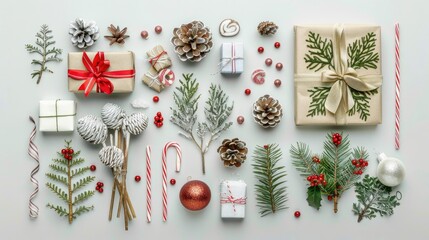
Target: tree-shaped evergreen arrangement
(361, 54)
(217, 110)
(373, 197)
(43, 42)
(338, 168)
(270, 189)
(64, 173)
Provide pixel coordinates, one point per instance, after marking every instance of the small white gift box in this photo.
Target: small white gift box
(57, 115)
(232, 60)
(233, 199)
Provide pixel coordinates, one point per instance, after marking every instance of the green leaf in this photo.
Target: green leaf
(82, 182)
(57, 178)
(60, 193)
(320, 53)
(314, 197)
(78, 171)
(362, 52)
(59, 169)
(58, 209)
(82, 209)
(82, 197)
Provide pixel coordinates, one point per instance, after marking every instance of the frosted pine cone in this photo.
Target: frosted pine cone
(192, 41)
(232, 152)
(83, 34)
(267, 28)
(267, 111)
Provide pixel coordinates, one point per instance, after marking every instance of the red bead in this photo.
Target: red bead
(260, 49)
(92, 168)
(240, 120)
(160, 124)
(247, 91)
(155, 99)
(161, 119)
(137, 178)
(361, 161)
(276, 44)
(309, 178)
(158, 29)
(144, 34)
(100, 190)
(329, 197)
(156, 118)
(70, 151)
(100, 184)
(365, 164)
(172, 181)
(66, 156)
(279, 66)
(277, 82)
(354, 162)
(159, 114)
(268, 61)
(63, 151)
(266, 146)
(97, 188)
(297, 214)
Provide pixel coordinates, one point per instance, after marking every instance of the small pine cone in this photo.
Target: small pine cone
(232, 152)
(83, 34)
(117, 35)
(267, 28)
(267, 111)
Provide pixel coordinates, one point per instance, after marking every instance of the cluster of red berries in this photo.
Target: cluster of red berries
(336, 139)
(315, 159)
(67, 153)
(158, 120)
(99, 187)
(360, 166)
(316, 180)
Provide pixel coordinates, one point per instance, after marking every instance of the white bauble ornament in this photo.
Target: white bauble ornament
(390, 171)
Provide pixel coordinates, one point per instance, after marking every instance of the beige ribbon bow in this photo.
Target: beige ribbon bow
(344, 78)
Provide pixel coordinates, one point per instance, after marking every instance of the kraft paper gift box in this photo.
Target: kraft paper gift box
(57, 115)
(106, 72)
(233, 199)
(338, 75)
(232, 60)
(151, 79)
(158, 58)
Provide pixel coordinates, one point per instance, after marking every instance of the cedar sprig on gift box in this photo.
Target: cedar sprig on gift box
(361, 54)
(270, 189)
(338, 168)
(64, 173)
(217, 111)
(43, 41)
(374, 197)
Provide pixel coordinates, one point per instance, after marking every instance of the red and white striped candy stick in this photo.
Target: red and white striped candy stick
(148, 186)
(164, 173)
(398, 86)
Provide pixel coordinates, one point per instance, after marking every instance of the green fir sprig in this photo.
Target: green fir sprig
(373, 198)
(217, 110)
(43, 42)
(320, 53)
(362, 52)
(270, 189)
(335, 164)
(63, 175)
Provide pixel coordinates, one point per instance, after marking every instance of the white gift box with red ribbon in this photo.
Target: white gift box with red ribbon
(232, 60)
(233, 199)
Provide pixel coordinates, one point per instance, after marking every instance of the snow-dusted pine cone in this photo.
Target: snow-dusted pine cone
(267, 111)
(192, 41)
(83, 34)
(232, 152)
(267, 28)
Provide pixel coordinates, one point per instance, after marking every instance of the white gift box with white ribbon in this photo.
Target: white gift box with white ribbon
(57, 115)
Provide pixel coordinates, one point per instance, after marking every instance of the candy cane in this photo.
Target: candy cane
(166, 77)
(148, 186)
(33, 151)
(164, 173)
(397, 89)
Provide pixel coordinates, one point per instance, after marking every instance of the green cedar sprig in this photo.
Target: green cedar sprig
(270, 189)
(361, 54)
(43, 41)
(63, 175)
(373, 197)
(217, 111)
(335, 164)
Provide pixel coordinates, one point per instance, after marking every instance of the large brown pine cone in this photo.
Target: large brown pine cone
(232, 152)
(192, 41)
(267, 111)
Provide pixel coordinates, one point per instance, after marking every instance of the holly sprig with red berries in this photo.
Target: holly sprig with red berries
(64, 173)
(330, 175)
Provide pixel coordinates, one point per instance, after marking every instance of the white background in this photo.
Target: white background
(19, 96)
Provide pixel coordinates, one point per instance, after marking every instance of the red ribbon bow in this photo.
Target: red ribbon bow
(96, 73)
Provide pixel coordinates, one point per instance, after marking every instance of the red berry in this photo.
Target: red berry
(156, 118)
(70, 157)
(360, 172)
(158, 29)
(92, 168)
(266, 146)
(324, 182)
(100, 184)
(361, 161)
(354, 162)
(365, 163)
(97, 188)
(161, 119)
(161, 124)
(155, 99)
(247, 91)
(172, 181)
(276, 44)
(312, 184)
(100, 190)
(329, 197)
(357, 165)
(137, 178)
(63, 151)
(159, 114)
(260, 49)
(297, 214)
(309, 178)
(70, 151)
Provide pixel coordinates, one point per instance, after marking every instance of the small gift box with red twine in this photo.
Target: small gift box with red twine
(158, 58)
(101, 72)
(233, 199)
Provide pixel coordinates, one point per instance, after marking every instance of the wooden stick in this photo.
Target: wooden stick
(124, 176)
(112, 198)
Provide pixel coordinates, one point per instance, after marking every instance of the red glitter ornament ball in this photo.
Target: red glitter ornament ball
(195, 195)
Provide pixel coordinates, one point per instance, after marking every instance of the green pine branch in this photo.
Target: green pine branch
(361, 105)
(58, 178)
(43, 38)
(58, 168)
(318, 97)
(82, 182)
(82, 197)
(270, 189)
(58, 209)
(82, 209)
(58, 191)
(362, 52)
(373, 198)
(320, 53)
(79, 171)
(217, 111)
(302, 159)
